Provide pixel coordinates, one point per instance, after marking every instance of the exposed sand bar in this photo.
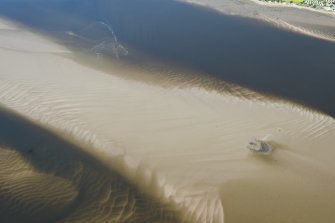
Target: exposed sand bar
(44, 178)
(290, 17)
(184, 146)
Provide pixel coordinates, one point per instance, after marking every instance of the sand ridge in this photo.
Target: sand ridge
(46, 179)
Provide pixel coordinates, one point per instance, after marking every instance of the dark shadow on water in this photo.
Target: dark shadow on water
(238, 50)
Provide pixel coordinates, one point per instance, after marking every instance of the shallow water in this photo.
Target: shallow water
(133, 120)
(243, 51)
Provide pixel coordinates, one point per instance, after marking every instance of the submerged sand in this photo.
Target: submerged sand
(184, 148)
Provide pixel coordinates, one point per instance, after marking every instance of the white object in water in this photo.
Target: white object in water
(259, 146)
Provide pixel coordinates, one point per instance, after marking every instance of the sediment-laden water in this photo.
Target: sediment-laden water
(141, 111)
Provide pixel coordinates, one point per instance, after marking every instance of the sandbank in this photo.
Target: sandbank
(304, 20)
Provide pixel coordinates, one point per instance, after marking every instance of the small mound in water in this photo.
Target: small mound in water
(259, 146)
